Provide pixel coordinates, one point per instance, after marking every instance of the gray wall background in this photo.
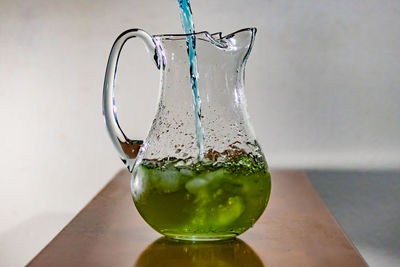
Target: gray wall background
(366, 205)
(322, 85)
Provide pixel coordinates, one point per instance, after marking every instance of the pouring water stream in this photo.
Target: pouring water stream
(188, 27)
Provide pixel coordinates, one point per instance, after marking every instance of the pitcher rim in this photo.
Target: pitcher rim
(172, 35)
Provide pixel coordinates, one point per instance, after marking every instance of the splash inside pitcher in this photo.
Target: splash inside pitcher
(179, 193)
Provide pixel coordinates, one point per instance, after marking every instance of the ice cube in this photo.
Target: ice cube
(186, 172)
(169, 180)
(215, 174)
(194, 185)
(228, 213)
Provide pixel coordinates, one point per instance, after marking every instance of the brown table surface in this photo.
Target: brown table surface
(296, 229)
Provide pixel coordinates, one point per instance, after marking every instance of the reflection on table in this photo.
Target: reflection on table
(168, 252)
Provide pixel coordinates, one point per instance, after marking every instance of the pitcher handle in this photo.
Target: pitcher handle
(127, 148)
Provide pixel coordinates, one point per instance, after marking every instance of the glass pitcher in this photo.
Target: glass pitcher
(179, 193)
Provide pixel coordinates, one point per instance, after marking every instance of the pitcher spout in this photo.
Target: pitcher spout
(240, 40)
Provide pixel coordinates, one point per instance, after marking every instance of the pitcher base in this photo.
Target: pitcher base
(201, 238)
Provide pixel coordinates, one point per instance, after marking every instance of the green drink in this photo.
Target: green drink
(205, 200)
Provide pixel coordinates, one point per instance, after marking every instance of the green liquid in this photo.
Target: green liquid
(206, 200)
